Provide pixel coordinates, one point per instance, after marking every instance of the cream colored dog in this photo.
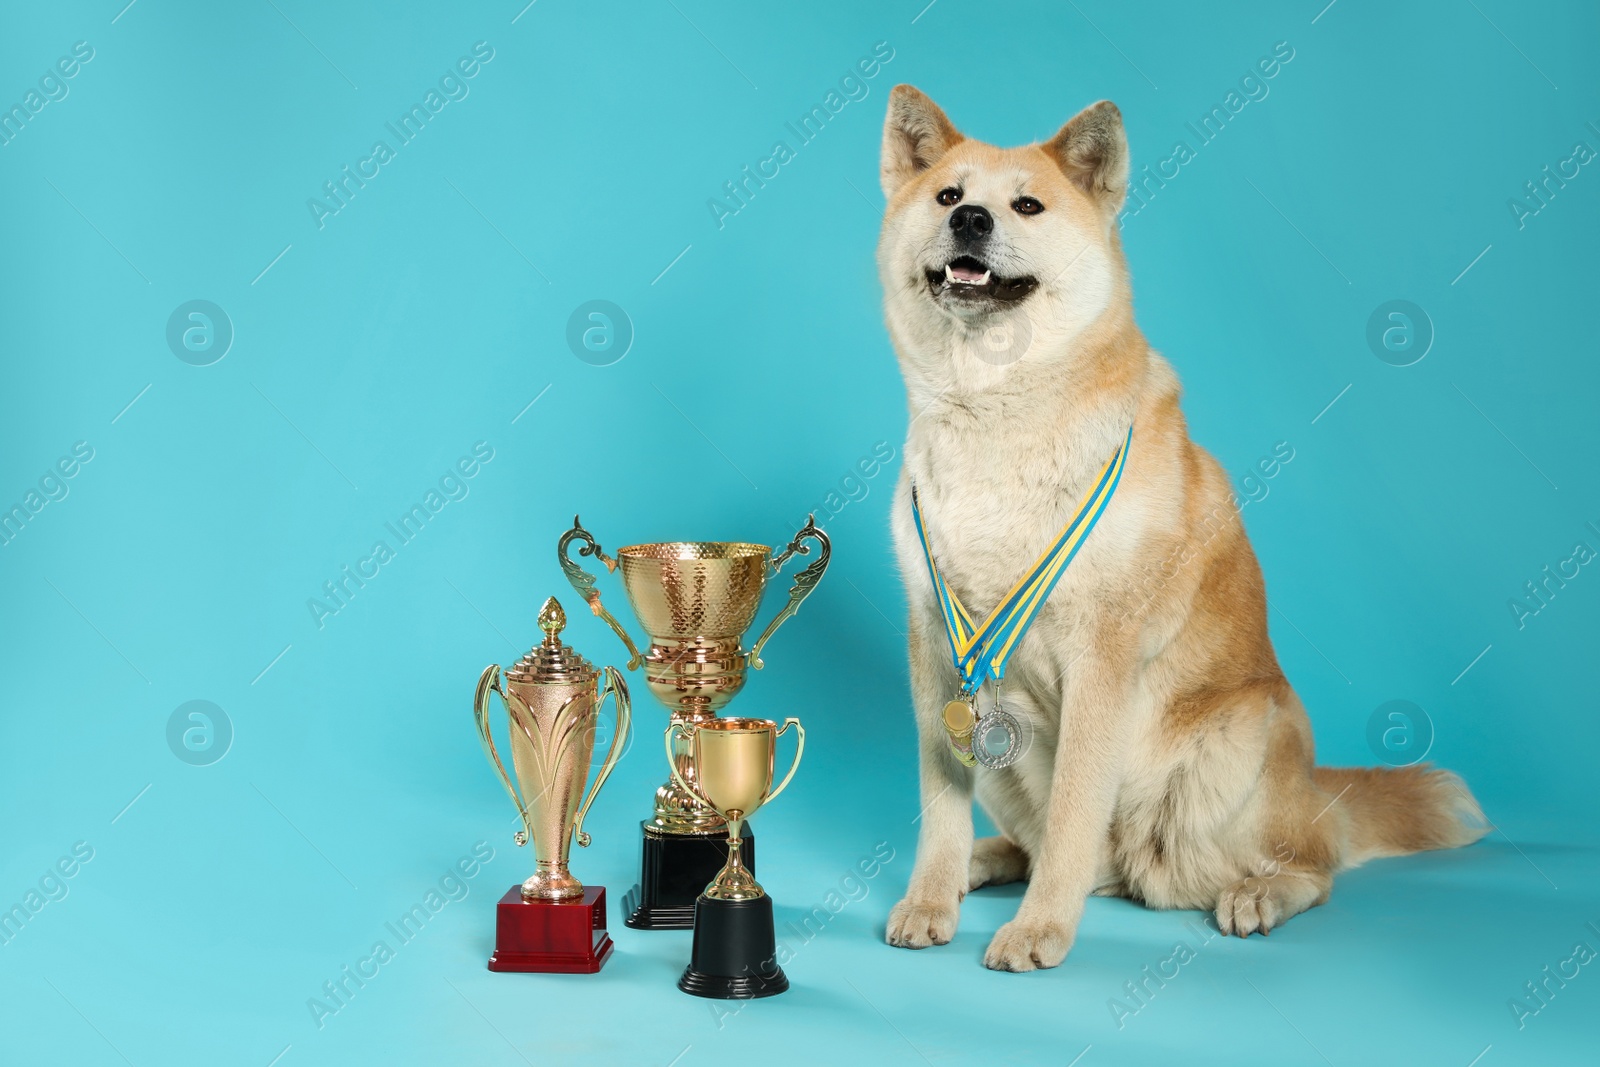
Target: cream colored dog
(1168, 760)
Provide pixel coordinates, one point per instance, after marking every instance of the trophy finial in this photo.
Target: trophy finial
(549, 660)
(552, 619)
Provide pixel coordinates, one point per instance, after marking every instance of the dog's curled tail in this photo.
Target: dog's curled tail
(1392, 811)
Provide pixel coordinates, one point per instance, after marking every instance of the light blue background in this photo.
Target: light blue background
(430, 311)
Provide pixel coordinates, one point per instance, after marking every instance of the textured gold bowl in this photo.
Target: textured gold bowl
(684, 589)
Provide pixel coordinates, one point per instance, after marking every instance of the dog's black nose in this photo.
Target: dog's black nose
(971, 223)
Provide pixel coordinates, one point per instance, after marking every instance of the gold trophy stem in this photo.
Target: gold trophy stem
(679, 809)
(734, 881)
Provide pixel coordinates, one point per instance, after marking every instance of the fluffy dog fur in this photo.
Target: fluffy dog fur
(1169, 761)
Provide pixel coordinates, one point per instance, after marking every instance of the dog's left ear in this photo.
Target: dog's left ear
(1092, 150)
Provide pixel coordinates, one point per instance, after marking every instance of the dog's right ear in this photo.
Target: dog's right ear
(915, 135)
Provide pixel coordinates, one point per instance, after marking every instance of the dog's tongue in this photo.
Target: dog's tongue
(966, 274)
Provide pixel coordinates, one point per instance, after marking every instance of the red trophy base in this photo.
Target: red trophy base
(566, 937)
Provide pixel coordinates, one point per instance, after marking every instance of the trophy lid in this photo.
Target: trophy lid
(551, 660)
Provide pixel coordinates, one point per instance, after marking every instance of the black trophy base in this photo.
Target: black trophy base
(673, 871)
(735, 955)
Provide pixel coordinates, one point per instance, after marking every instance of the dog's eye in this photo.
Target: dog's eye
(950, 196)
(1026, 205)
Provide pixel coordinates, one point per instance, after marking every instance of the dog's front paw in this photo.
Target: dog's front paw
(1026, 945)
(920, 923)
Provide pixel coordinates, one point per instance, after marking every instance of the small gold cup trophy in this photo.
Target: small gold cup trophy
(696, 600)
(735, 952)
(552, 922)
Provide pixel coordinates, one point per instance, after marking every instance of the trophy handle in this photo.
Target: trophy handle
(490, 679)
(583, 582)
(804, 582)
(609, 682)
(800, 748)
(673, 730)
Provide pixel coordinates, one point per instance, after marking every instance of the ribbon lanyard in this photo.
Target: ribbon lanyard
(980, 652)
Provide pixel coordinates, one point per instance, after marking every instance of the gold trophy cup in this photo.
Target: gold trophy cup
(734, 758)
(696, 599)
(552, 922)
(735, 955)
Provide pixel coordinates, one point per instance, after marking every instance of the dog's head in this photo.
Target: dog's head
(977, 235)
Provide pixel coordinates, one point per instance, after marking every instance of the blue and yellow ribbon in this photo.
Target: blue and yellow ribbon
(980, 652)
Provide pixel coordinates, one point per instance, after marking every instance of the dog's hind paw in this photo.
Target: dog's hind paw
(996, 861)
(1265, 903)
(1246, 907)
(1024, 945)
(920, 923)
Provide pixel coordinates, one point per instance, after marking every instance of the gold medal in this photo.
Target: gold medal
(959, 719)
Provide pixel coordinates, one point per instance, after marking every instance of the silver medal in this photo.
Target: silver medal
(983, 737)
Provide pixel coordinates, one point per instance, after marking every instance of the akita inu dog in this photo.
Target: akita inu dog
(1164, 756)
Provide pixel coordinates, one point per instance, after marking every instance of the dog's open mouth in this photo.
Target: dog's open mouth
(969, 278)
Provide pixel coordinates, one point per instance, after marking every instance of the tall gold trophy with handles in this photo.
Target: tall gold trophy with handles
(696, 600)
(552, 921)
